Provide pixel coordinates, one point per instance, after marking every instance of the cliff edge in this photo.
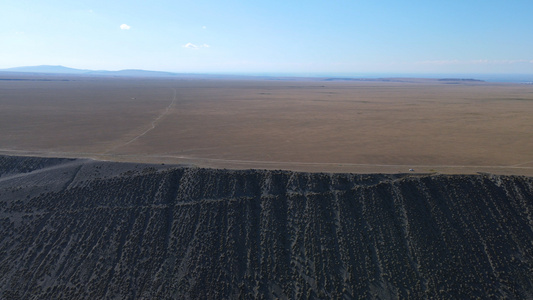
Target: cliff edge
(74, 228)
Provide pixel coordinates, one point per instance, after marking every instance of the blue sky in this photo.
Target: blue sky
(293, 37)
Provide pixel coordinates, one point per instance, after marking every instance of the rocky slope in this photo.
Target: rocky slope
(81, 229)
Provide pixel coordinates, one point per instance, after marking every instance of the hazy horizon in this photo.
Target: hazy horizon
(490, 77)
(275, 37)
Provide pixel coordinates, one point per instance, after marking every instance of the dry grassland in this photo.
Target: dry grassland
(427, 125)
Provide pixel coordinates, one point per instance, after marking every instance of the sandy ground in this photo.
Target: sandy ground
(325, 126)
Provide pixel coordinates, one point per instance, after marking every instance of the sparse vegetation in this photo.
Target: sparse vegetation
(162, 231)
(335, 126)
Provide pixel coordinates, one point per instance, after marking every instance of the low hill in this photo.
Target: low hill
(45, 69)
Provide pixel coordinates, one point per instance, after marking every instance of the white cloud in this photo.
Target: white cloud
(190, 46)
(125, 27)
(474, 62)
(204, 27)
(193, 46)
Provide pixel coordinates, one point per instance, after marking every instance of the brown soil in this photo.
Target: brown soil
(389, 127)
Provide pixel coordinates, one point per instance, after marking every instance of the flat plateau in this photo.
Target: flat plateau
(376, 126)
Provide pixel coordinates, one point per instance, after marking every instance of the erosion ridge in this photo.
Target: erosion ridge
(79, 228)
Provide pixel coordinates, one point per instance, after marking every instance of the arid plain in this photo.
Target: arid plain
(385, 126)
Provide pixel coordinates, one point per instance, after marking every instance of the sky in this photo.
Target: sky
(262, 37)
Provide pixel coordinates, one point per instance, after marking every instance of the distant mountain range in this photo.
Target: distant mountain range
(46, 69)
(446, 78)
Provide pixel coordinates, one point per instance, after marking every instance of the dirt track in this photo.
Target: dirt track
(390, 127)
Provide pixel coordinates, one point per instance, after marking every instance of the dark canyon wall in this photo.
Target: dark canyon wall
(76, 229)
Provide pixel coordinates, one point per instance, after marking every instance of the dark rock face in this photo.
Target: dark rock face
(98, 230)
